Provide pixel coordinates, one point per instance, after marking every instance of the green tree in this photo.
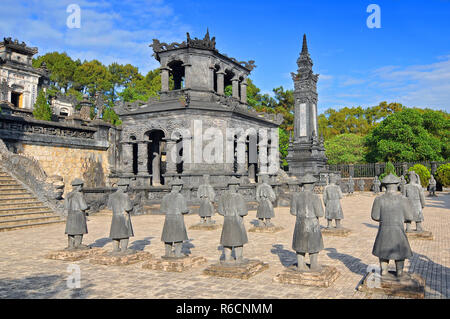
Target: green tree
(283, 145)
(42, 110)
(345, 148)
(389, 169)
(402, 136)
(423, 173)
(443, 175)
(93, 77)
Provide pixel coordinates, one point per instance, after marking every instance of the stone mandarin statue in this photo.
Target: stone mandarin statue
(391, 210)
(432, 189)
(75, 206)
(121, 227)
(265, 196)
(361, 185)
(233, 208)
(332, 195)
(307, 207)
(351, 185)
(414, 192)
(402, 185)
(376, 185)
(174, 205)
(206, 195)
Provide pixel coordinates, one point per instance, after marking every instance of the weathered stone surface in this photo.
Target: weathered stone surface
(74, 255)
(323, 278)
(239, 271)
(424, 235)
(111, 259)
(201, 226)
(270, 229)
(408, 286)
(340, 232)
(174, 264)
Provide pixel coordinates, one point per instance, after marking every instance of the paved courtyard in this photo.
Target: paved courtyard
(24, 273)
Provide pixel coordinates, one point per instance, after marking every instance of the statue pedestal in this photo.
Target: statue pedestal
(240, 271)
(265, 229)
(205, 226)
(174, 264)
(424, 235)
(333, 231)
(120, 259)
(75, 254)
(408, 286)
(323, 278)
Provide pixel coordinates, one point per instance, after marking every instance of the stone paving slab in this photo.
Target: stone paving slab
(323, 279)
(24, 273)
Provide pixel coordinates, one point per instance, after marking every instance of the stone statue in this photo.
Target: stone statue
(206, 195)
(402, 185)
(351, 185)
(156, 171)
(233, 207)
(265, 196)
(75, 206)
(307, 238)
(414, 193)
(376, 185)
(174, 205)
(361, 185)
(432, 189)
(121, 228)
(391, 210)
(331, 198)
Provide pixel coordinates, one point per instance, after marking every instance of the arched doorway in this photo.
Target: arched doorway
(156, 152)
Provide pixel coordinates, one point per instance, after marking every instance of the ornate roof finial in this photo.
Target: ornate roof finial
(305, 45)
(207, 35)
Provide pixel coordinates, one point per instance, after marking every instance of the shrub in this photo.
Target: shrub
(42, 110)
(443, 175)
(423, 173)
(389, 169)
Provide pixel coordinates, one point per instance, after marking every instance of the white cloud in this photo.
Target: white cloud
(110, 30)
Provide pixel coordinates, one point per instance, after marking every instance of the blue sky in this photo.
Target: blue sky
(407, 60)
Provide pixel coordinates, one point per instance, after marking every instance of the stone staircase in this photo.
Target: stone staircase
(20, 208)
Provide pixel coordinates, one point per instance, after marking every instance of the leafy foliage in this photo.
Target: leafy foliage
(345, 148)
(42, 109)
(443, 174)
(389, 169)
(423, 173)
(406, 136)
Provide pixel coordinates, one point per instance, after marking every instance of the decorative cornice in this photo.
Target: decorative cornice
(18, 47)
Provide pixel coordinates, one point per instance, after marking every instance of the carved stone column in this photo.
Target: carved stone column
(127, 158)
(220, 82)
(171, 161)
(235, 82)
(187, 75)
(244, 91)
(143, 157)
(165, 79)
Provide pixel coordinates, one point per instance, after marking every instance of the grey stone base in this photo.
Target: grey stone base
(174, 264)
(408, 286)
(265, 229)
(74, 255)
(323, 278)
(115, 259)
(239, 271)
(202, 226)
(333, 231)
(424, 235)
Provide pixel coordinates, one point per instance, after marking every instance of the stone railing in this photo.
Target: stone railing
(29, 172)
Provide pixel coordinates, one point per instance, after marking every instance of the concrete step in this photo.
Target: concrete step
(9, 196)
(33, 225)
(26, 221)
(16, 199)
(21, 209)
(12, 190)
(9, 183)
(21, 204)
(26, 216)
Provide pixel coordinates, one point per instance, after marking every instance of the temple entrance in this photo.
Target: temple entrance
(156, 153)
(17, 99)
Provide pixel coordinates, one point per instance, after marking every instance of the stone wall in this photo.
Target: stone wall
(90, 165)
